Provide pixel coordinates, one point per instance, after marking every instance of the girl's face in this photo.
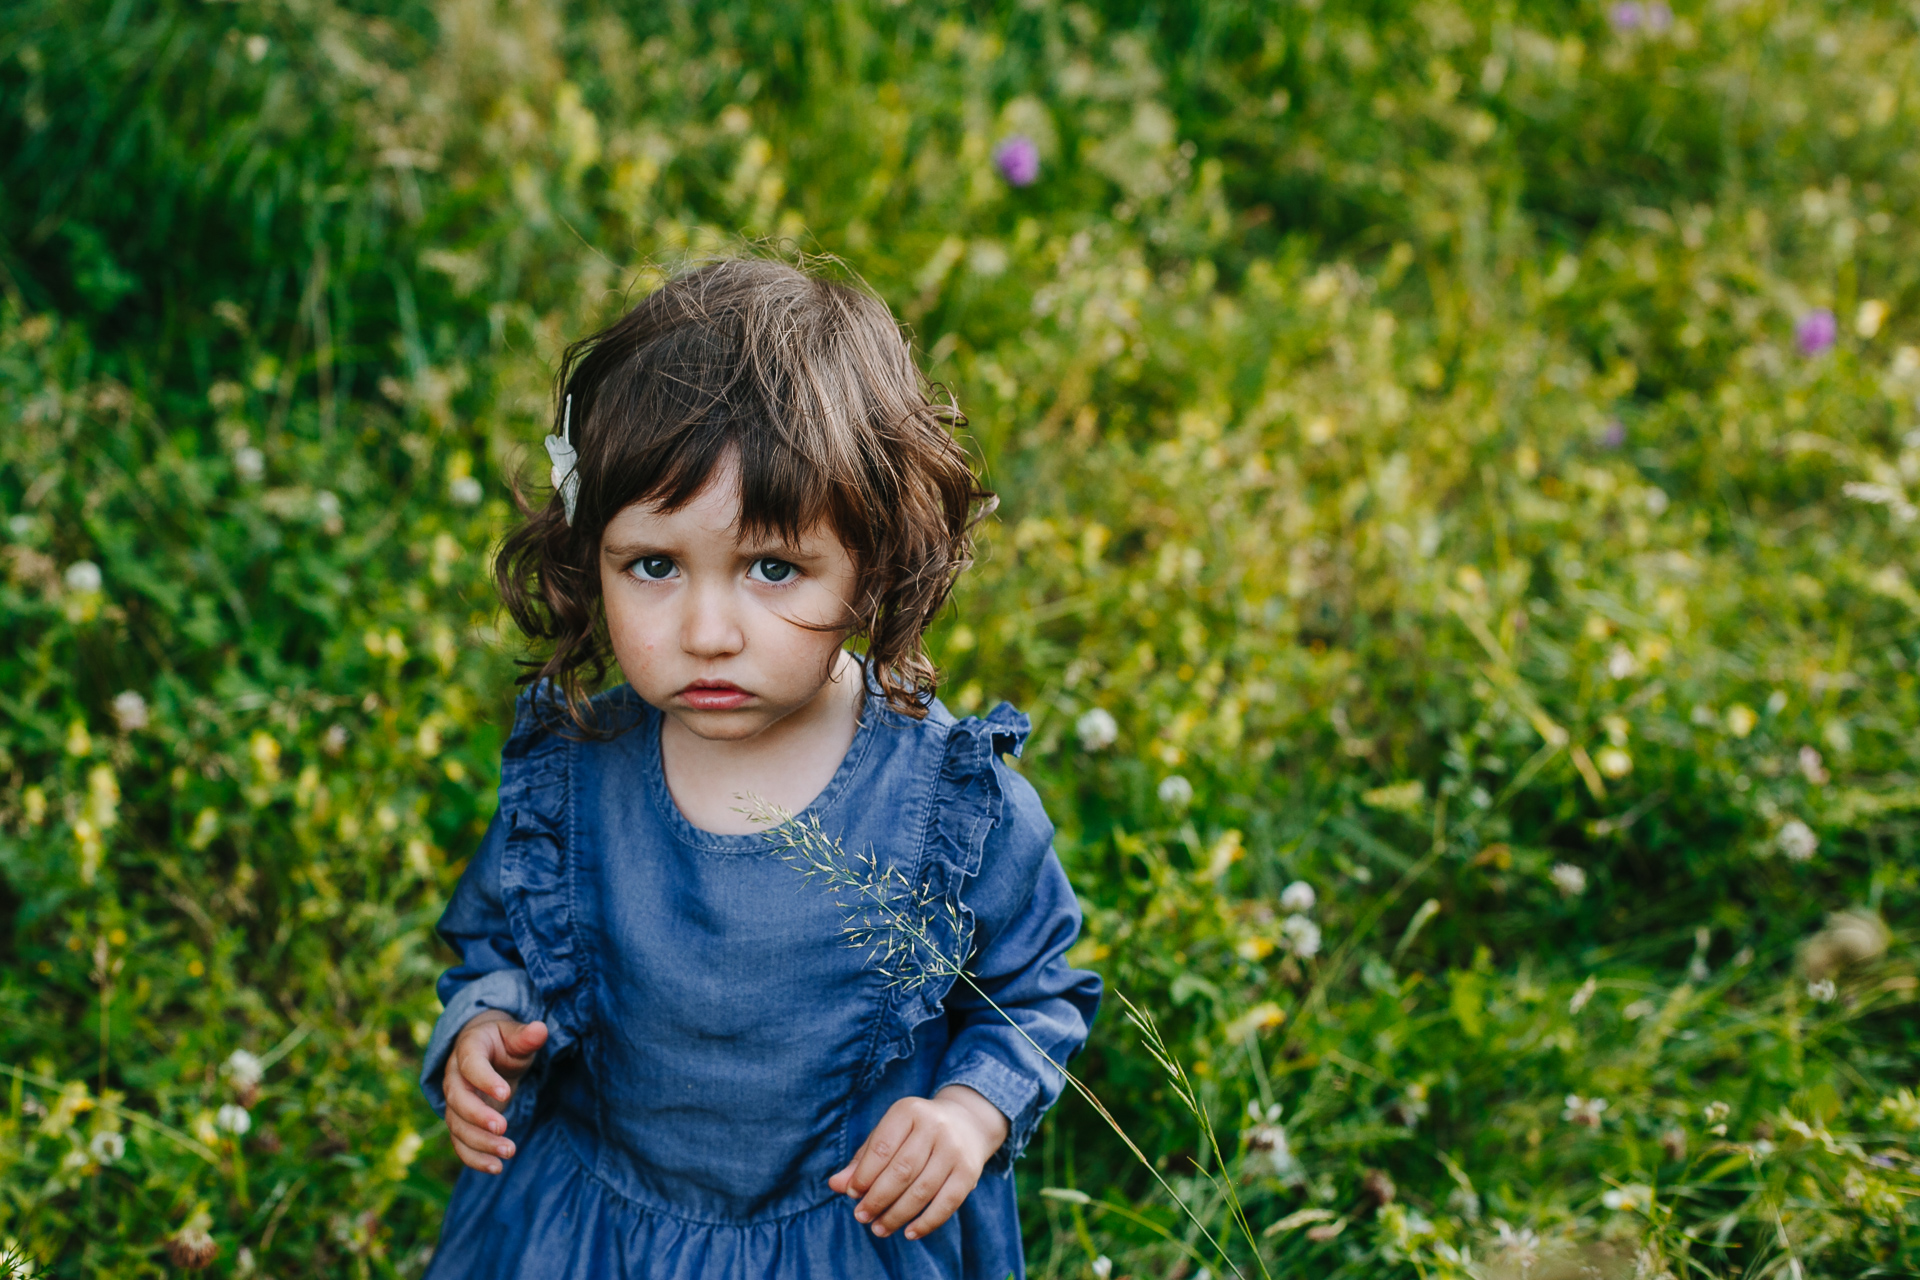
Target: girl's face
(718, 631)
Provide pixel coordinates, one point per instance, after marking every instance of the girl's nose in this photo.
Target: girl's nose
(710, 629)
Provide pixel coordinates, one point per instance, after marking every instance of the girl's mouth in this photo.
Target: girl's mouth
(714, 695)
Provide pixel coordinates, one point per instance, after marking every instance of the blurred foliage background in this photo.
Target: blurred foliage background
(1462, 459)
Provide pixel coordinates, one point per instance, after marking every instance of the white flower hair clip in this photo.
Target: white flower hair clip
(566, 462)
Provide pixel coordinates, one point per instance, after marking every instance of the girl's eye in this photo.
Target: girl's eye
(767, 569)
(652, 568)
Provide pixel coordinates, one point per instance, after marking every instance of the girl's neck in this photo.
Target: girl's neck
(786, 765)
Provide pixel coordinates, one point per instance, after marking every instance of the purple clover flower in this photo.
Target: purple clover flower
(1815, 333)
(1018, 160)
(1628, 15)
(1615, 434)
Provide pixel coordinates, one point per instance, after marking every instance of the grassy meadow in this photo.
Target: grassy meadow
(1458, 547)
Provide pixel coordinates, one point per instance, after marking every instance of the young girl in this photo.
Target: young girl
(666, 1051)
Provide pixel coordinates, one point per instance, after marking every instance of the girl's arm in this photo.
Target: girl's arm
(1019, 1011)
(1022, 1010)
(490, 975)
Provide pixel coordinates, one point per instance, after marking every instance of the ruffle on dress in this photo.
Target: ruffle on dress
(537, 869)
(966, 805)
(557, 1221)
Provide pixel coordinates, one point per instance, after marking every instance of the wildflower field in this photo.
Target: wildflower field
(1459, 470)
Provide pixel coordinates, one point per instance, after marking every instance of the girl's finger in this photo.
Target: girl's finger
(880, 1147)
(917, 1195)
(476, 1160)
(843, 1180)
(479, 1139)
(952, 1195)
(478, 1071)
(522, 1040)
(471, 1107)
(896, 1176)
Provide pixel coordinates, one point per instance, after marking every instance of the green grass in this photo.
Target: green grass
(1403, 437)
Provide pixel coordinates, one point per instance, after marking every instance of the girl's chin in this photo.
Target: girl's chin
(722, 725)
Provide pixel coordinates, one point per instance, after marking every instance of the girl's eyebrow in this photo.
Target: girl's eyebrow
(628, 550)
(746, 551)
(777, 550)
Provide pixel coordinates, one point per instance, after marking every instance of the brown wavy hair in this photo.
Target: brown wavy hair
(808, 382)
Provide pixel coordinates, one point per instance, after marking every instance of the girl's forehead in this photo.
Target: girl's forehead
(712, 515)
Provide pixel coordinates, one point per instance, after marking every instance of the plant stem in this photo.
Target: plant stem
(822, 854)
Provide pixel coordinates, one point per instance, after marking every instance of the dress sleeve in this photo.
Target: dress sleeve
(491, 973)
(1021, 1011)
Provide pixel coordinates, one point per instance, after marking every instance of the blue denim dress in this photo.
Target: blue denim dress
(719, 1045)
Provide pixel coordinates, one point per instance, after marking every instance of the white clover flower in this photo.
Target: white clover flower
(1811, 767)
(1716, 1112)
(1521, 1247)
(1303, 936)
(1621, 663)
(1269, 1152)
(192, 1248)
(107, 1147)
(334, 740)
(1568, 879)
(326, 505)
(249, 463)
(1585, 1112)
(243, 1070)
(1412, 1108)
(234, 1119)
(1822, 989)
(1298, 896)
(1102, 1267)
(1175, 791)
(83, 577)
(1797, 841)
(1635, 1197)
(130, 711)
(465, 491)
(1097, 729)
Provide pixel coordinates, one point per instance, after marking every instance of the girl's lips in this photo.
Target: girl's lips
(713, 695)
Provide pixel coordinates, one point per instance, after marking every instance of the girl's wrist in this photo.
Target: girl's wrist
(993, 1126)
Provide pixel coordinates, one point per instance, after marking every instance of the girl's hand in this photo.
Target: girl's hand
(924, 1158)
(489, 1056)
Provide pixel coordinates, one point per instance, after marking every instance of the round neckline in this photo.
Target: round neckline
(750, 841)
